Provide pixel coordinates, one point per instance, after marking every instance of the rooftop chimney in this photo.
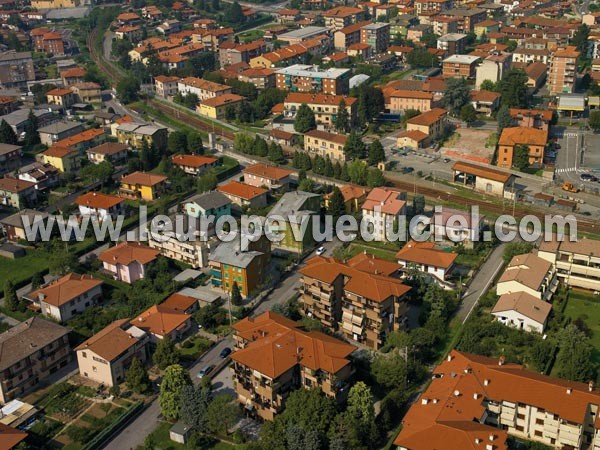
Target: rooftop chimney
(449, 358)
(456, 393)
(424, 401)
(591, 386)
(486, 382)
(501, 361)
(569, 390)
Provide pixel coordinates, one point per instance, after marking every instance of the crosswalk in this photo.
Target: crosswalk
(569, 170)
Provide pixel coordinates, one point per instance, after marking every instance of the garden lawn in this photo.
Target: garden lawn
(19, 271)
(356, 248)
(160, 439)
(586, 306)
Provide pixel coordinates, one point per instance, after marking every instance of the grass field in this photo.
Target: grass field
(160, 440)
(19, 270)
(587, 307)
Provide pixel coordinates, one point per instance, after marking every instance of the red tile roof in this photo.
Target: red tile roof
(98, 200)
(126, 252)
(66, 288)
(426, 253)
(193, 160)
(242, 190)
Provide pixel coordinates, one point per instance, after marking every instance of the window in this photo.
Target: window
(84, 354)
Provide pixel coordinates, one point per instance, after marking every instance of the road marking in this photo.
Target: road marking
(570, 169)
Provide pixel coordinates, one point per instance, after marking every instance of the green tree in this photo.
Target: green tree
(37, 280)
(260, 147)
(194, 143)
(357, 172)
(128, 89)
(504, 119)
(60, 260)
(390, 370)
(354, 148)
(513, 89)
(306, 185)
(177, 142)
(236, 295)
(102, 172)
(581, 39)
(305, 119)
(370, 103)
(136, 377)
(360, 403)
(594, 120)
(32, 136)
(516, 248)
(11, 302)
(165, 354)
(7, 135)
(409, 114)
(521, 157)
(376, 153)
(488, 85)
(169, 399)
(275, 153)
(456, 95)
(468, 113)
(375, 178)
(309, 409)
(222, 413)
(207, 182)
(336, 206)
(235, 13)
(342, 119)
(420, 58)
(574, 359)
(194, 406)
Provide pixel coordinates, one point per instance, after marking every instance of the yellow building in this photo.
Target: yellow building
(431, 123)
(142, 186)
(61, 96)
(65, 159)
(216, 107)
(53, 4)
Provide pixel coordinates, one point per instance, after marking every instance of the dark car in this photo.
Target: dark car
(586, 177)
(408, 169)
(225, 353)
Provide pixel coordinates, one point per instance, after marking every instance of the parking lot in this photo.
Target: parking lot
(591, 151)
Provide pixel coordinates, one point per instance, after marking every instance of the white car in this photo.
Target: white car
(320, 250)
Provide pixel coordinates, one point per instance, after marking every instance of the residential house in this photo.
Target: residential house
(67, 296)
(274, 356)
(127, 261)
(72, 76)
(219, 107)
(44, 176)
(111, 152)
(474, 398)
(398, 101)
(484, 179)
(204, 89)
(457, 227)
(194, 164)
(83, 140)
(325, 144)
(135, 135)
(10, 158)
(324, 106)
(341, 16)
(101, 206)
(52, 133)
(514, 139)
(166, 320)
(17, 193)
(230, 263)
(244, 195)
(485, 102)
(459, 66)
(528, 273)
(30, 352)
(166, 86)
(87, 92)
(532, 118)
(16, 69)
(65, 159)
(412, 139)
(262, 78)
(106, 356)
(354, 197)
(232, 53)
(273, 178)
(61, 96)
(427, 258)
(208, 204)
(142, 186)
(293, 209)
(10, 438)
(14, 228)
(522, 311)
(537, 73)
(383, 207)
(283, 137)
(131, 33)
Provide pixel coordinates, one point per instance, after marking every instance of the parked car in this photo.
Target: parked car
(408, 169)
(205, 371)
(225, 353)
(586, 177)
(320, 250)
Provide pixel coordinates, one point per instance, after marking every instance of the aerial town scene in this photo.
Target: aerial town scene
(300, 224)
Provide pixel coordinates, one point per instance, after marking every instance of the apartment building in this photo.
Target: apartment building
(397, 101)
(528, 273)
(194, 164)
(106, 356)
(101, 206)
(359, 297)
(204, 89)
(459, 66)
(293, 209)
(17, 193)
(349, 35)
(324, 106)
(231, 264)
(341, 16)
(562, 74)
(477, 401)
(377, 35)
(532, 118)
(10, 158)
(274, 356)
(218, 107)
(166, 86)
(112, 152)
(577, 264)
(325, 144)
(30, 352)
(231, 53)
(16, 69)
(432, 123)
(193, 252)
(262, 78)
(274, 178)
(208, 204)
(244, 195)
(427, 6)
(468, 18)
(67, 296)
(306, 78)
(382, 208)
(134, 135)
(452, 43)
(514, 137)
(492, 68)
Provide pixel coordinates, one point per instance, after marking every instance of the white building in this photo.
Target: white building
(523, 311)
(425, 257)
(528, 273)
(101, 206)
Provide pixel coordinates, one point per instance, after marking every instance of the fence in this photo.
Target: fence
(105, 435)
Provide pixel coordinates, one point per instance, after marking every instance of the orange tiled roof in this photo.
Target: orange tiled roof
(277, 344)
(98, 200)
(10, 437)
(318, 99)
(484, 96)
(161, 320)
(126, 252)
(206, 85)
(267, 171)
(241, 190)
(415, 135)
(223, 100)
(57, 151)
(428, 118)
(59, 91)
(143, 179)
(193, 160)
(14, 184)
(326, 136)
(342, 11)
(426, 253)
(523, 136)
(86, 135)
(385, 198)
(66, 288)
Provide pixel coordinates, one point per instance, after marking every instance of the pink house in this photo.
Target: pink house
(127, 261)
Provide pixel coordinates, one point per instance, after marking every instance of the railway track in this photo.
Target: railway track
(519, 211)
(110, 71)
